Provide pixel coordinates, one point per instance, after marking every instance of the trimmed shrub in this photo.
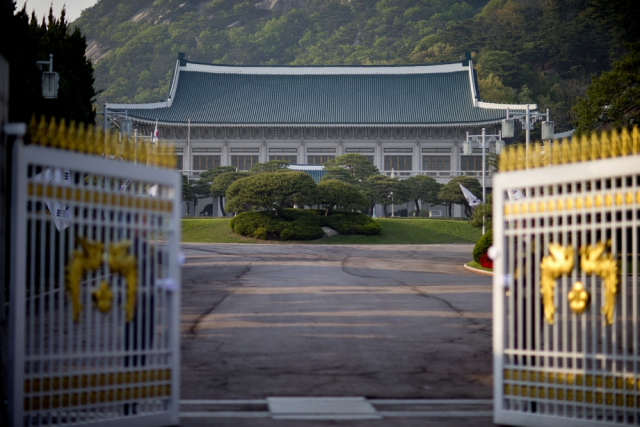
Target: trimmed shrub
(260, 233)
(301, 224)
(353, 223)
(483, 245)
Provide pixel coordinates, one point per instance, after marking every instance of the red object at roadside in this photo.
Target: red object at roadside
(485, 261)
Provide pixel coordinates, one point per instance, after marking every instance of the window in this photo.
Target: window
(436, 163)
(318, 160)
(179, 163)
(243, 163)
(471, 163)
(204, 163)
(290, 159)
(399, 163)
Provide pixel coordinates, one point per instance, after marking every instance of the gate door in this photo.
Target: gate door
(566, 296)
(94, 290)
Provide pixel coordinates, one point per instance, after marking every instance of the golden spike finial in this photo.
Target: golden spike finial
(535, 157)
(619, 142)
(513, 158)
(555, 159)
(80, 138)
(51, 133)
(41, 137)
(575, 151)
(502, 160)
(72, 141)
(635, 140)
(62, 136)
(520, 158)
(545, 160)
(604, 136)
(566, 152)
(605, 145)
(625, 139)
(595, 146)
(32, 130)
(584, 148)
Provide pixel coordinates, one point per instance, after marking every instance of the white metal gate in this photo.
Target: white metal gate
(94, 332)
(566, 296)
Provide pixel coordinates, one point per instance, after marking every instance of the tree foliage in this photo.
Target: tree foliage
(221, 183)
(452, 194)
(25, 41)
(423, 188)
(377, 189)
(271, 191)
(351, 168)
(613, 98)
(338, 194)
(270, 166)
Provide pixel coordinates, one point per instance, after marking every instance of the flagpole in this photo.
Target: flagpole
(484, 188)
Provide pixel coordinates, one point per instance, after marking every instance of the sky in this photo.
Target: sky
(74, 7)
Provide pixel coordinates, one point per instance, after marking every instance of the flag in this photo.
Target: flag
(515, 195)
(154, 139)
(471, 199)
(62, 212)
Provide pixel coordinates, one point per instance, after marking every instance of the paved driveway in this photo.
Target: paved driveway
(403, 322)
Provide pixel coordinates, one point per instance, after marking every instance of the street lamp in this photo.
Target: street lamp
(483, 138)
(528, 119)
(392, 216)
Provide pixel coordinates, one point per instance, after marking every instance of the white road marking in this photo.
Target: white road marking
(346, 408)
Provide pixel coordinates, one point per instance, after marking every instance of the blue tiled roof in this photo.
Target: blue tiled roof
(317, 99)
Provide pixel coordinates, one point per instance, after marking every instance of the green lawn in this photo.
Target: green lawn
(394, 231)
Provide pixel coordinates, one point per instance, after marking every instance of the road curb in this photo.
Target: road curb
(477, 270)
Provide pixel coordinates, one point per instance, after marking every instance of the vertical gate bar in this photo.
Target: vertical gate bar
(562, 303)
(499, 330)
(17, 293)
(538, 194)
(174, 300)
(634, 293)
(584, 318)
(624, 283)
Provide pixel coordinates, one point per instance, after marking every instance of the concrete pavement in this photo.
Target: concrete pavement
(380, 322)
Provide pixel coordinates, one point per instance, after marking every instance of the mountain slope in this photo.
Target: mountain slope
(525, 50)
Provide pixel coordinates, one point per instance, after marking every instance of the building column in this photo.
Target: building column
(264, 152)
(225, 160)
(416, 157)
(340, 150)
(301, 159)
(379, 156)
(455, 157)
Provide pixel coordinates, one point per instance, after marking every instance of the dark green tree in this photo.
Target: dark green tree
(270, 166)
(377, 189)
(272, 191)
(25, 41)
(338, 194)
(202, 187)
(351, 168)
(613, 98)
(423, 188)
(221, 184)
(452, 194)
(485, 210)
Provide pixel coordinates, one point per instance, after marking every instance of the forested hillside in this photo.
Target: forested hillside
(540, 51)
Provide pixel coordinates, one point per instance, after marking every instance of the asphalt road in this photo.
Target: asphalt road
(382, 322)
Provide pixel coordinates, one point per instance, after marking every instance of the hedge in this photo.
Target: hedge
(483, 245)
(301, 224)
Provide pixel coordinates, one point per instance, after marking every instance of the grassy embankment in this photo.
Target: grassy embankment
(394, 231)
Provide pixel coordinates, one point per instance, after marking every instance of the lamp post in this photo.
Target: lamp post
(392, 216)
(528, 119)
(483, 138)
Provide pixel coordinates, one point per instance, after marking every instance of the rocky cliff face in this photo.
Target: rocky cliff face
(286, 5)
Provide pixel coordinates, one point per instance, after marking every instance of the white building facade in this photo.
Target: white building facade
(407, 120)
